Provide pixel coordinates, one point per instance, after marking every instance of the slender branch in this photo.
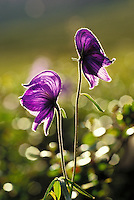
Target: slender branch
(76, 119)
(60, 140)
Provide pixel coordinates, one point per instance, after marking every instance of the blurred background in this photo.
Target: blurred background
(36, 35)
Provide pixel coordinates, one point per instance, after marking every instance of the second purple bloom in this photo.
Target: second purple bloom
(40, 98)
(92, 56)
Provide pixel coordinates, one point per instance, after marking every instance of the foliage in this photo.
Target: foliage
(29, 161)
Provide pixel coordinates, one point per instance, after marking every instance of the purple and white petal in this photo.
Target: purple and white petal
(49, 78)
(107, 62)
(47, 122)
(93, 57)
(92, 79)
(35, 98)
(44, 116)
(102, 74)
(92, 65)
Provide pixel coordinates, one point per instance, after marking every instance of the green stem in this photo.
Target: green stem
(60, 140)
(76, 119)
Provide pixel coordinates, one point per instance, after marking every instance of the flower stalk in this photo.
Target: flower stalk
(76, 119)
(60, 140)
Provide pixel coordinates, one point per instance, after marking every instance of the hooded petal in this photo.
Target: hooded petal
(45, 116)
(49, 78)
(36, 98)
(86, 41)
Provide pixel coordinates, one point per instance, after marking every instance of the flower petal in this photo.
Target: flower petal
(102, 74)
(86, 41)
(107, 62)
(47, 122)
(36, 98)
(93, 65)
(49, 78)
(92, 79)
(45, 116)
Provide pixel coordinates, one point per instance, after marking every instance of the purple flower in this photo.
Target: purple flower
(93, 57)
(40, 98)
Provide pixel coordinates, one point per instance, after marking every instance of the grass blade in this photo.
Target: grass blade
(80, 190)
(93, 101)
(49, 188)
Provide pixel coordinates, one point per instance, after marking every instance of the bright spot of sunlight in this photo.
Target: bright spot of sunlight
(74, 194)
(84, 147)
(24, 123)
(8, 187)
(99, 132)
(103, 150)
(45, 153)
(130, 131)
(11, 101)
(119, 116)
(126, 99)
(83, 161)
(23, 148)
(32, 153)
(114, 160)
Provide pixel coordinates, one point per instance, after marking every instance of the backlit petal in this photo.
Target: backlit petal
(47, 122)
(84, 38)
(49, 78)
(92, 79)
(93, 65)
(45, 116)
(102, 74)
(36, 98)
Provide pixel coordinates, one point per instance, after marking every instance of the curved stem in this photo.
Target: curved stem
(76, 119)
(60, 140)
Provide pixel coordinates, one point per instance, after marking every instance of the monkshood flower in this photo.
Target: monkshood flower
(92, 56)
(40, 98)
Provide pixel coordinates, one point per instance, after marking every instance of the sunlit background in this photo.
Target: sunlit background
(36, 35)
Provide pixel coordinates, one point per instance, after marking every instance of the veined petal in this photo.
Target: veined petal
(35, 98)
(47, 122)
(93, 65)
(86, 42)
(92, 79)
(102, 74)
(49, 78)
(45, 116)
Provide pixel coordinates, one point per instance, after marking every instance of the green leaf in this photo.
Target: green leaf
(80, 190)
(57, 189)
(53, 194)
(49, 188)
(64, 190)
(63, 112)
(92, 100)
